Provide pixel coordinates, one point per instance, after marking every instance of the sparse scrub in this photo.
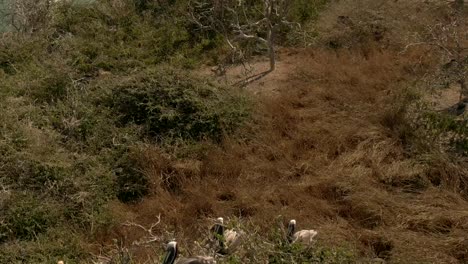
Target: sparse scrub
(439, 139)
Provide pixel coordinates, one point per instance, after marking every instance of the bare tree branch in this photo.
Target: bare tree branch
(151, 237)
(239, 21)
(450, 40)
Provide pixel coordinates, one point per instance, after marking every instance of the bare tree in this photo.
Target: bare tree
(25, 15)
(450, 40)
(240, 20)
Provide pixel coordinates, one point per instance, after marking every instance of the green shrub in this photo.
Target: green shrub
(117, 38)
(132, 184)
(423, 129)
(171, 104)
(49, 247)
(447, 129)
(28, 217)
(21, 171)
(18, 49)
(67, 128)
(304, 10)
(75, 120)
(42, 82)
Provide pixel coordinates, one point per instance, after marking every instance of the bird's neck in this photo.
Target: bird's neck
(219, 237)
(171, 256)
(291, 229)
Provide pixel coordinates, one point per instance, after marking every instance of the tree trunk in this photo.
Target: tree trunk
(269, 9)
(271, 48)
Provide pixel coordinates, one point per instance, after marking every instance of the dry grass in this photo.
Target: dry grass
(378, 23)
(319, 151)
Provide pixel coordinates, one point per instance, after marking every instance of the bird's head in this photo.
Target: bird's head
(171, 254)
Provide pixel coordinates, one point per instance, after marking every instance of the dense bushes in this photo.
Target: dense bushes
(28, 217)
(124, 37)
(304, 10)
(170, 104)
(132, 184)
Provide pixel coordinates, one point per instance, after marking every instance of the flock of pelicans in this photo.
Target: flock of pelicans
(228, 240)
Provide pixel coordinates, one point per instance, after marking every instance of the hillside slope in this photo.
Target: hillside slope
(115, 137)
(322, 152)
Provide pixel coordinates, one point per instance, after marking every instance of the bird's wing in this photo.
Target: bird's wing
(233, 239)
(305, 236)
(230, 235)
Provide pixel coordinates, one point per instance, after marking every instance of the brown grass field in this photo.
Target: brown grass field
(321, 150)
(329, 147)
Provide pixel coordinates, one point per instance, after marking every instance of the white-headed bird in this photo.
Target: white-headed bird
(171, 257)
(228, 239)
(305, 237)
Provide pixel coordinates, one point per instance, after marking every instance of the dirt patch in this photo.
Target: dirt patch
(444, 98)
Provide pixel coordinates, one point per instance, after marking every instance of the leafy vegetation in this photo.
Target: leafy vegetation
(171, 105)
(68, 128)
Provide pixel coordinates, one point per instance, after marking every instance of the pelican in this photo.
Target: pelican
(171, 256)
(228, 239)
(305, 237)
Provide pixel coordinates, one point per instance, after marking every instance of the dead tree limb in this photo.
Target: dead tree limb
(150, 237)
